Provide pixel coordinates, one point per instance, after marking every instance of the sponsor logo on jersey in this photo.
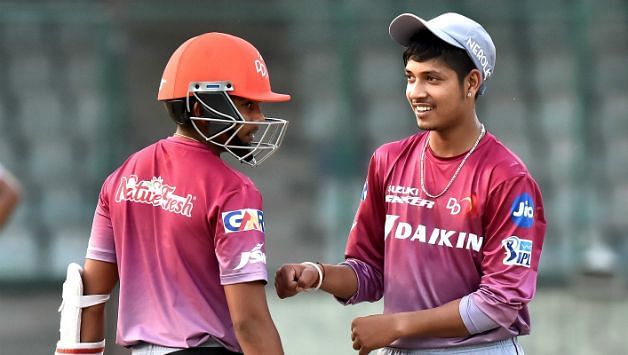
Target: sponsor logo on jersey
(254, 256)
(154, 192)
(406, 195)
(518, 251)
(464, 206)
(247, 219)
(435, 236)
(522, 211)
(364, 191)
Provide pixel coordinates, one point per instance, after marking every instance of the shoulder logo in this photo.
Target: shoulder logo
(522, 211)
(154, 192)
(254, 256)
(364, 191)
(518, 251)
(247, 219)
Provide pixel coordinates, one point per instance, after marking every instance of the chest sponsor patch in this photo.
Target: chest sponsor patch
(419, 233)
(247, 219)
(406, 195)
(518, 251)
(522, 211)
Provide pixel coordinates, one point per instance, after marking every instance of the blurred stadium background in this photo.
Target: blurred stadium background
(79, 95)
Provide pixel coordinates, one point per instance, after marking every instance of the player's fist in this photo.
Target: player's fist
(291, 279)
(374, 332)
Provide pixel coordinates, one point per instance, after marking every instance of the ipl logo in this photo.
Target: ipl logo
(522, 211)
(518, 251)
(364, 191)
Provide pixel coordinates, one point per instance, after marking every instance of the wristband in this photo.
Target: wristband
(320, 274)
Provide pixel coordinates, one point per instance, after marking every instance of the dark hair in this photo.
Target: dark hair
(424, 45)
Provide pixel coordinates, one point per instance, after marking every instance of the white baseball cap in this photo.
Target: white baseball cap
(455, 29)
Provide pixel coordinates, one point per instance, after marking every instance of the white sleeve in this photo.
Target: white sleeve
(474, 319)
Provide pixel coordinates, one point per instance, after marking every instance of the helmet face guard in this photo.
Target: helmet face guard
(225, 122)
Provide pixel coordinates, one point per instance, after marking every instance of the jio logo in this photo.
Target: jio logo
(522, 211)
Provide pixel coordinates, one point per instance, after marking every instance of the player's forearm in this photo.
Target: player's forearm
(99, 277)
(258, 337)
(443, 321)
(340, 281)
(93, 323)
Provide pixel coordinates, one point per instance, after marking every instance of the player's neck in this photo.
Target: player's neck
(456, 140)
(194, 136)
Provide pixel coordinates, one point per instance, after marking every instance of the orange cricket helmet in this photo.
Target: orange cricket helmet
(208, 70)
(215, 57)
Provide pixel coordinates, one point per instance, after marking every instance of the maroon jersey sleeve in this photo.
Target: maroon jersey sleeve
(515, 229)
(365, 246)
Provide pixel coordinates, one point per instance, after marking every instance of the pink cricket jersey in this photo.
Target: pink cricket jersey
(482, 237)
(179, 223)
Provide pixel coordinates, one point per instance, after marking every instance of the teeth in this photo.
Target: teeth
(422, 108)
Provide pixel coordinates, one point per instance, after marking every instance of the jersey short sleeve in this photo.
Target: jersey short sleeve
(101, 241)
(515, 229)
(240, 237)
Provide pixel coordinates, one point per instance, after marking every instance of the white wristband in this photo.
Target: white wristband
(320, 274)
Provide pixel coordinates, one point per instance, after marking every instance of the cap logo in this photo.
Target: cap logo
(260, 67)
(478, 52)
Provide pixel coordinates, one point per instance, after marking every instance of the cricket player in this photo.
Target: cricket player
(181, 230)
(10, 194)
(450, 226)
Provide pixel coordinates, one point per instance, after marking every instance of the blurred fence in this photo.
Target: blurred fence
(79, 95)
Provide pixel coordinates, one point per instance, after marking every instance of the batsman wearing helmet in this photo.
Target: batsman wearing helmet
(181, 230)
(450, 227)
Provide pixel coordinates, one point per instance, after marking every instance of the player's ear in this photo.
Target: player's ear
(196, 109)
(472, 82)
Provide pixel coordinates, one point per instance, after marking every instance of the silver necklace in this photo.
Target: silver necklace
(184, 136)
(451, 181)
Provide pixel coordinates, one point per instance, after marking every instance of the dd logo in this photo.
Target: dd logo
(260, 67)
(453, 206)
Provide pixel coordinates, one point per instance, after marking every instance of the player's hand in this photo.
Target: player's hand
(374, 332)
(291, 279)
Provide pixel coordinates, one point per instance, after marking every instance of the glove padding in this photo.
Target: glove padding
(71, 309)
(64, 348)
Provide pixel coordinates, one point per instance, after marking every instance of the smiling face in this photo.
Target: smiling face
(435, 93)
